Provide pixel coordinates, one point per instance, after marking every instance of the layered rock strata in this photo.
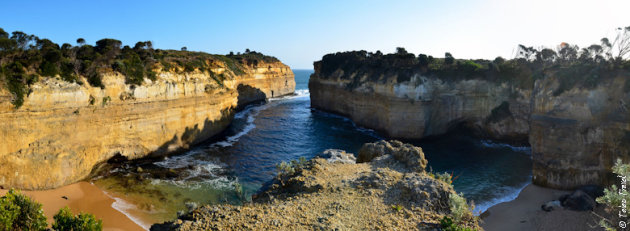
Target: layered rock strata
(64, 129)
(577, 125)
(419, 106)
(576, 136)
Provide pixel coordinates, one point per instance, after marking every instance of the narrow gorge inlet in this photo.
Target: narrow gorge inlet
(232, 167)
(314, 115)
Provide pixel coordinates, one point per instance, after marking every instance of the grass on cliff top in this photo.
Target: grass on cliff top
(25, 58)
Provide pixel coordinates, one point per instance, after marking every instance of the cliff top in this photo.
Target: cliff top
(27, 59)
(584, 67)
(389, 191)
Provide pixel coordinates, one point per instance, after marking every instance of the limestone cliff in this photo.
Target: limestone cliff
(64, 129)
(411, 105)
(575, 118)
(578, 134)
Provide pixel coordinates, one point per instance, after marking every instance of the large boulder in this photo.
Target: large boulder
(578, 200)
(410, 155)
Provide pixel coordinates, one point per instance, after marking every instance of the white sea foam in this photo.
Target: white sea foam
(511, 194)
(301, 93)
(232, 139)
(491, 144)
(124, 207)
(197, 173)
(220, 183)
(250, 114)
(180, 161)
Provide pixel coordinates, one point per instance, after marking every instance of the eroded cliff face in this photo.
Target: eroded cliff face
(64, 129)
(422, 106)
(577, 135)
(576, 130)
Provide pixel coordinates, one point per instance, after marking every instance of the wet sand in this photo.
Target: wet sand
(82, 197)
(525, 213)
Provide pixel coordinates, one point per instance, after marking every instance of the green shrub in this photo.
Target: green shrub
(96, 80)
(65, 220)
(614, 199)
(448, 58)
(448, 225)
(151, 75)
(134, 70)
(231, 65)
(166, 66)
(67, 72)
(48, 69)
(19, 212)
(446, 177)
(461, 214)
(290, 168)
(106, 100)
(17, 89)
(460, 210)
(470, 68)
(15, 79)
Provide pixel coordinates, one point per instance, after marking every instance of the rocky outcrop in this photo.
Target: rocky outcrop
(577, 135)
(411, 156)
(382, 194)
(577, 123)
(64, 129)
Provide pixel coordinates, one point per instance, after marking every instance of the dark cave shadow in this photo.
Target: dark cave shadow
(248, 95)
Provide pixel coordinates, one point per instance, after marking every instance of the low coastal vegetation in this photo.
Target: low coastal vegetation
(25, 59)
(19, 212)
(616, 198)
(385, 187)
(574, 65)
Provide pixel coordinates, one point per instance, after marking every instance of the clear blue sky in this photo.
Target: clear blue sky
(300, 32)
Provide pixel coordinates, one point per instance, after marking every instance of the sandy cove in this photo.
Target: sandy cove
(82, 197)
(525, 213)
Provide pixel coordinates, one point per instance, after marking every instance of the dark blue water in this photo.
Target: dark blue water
(286, 129)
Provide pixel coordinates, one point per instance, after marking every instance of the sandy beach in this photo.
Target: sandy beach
(82, 197)
(524, 213)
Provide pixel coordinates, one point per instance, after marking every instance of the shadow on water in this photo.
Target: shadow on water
(248, 95)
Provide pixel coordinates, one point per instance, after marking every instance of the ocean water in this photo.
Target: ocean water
(230, 168)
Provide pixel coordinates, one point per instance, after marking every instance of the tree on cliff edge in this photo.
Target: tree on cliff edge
(423, 60)
(448, 58)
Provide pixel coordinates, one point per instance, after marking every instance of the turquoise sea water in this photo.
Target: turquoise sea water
(232, 167)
